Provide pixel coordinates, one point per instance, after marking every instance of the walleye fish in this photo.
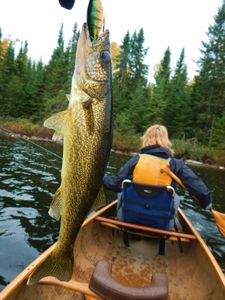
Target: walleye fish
(86, 130)
(95, 18)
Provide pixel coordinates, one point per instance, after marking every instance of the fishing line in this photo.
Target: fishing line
(29, 141)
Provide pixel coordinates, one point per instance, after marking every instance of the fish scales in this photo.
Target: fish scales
(87, 136)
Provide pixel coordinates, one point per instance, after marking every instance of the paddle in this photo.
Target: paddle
(220, 221)
(218, 216)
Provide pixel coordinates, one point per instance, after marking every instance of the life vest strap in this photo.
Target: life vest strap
(172, 175)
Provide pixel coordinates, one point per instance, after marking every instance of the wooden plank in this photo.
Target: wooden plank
(145, 228)
(73, 285)
(171, 238)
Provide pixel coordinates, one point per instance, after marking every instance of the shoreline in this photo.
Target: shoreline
(191, 162)
(187, 161)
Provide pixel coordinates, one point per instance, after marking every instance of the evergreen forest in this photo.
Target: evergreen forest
(191, 110)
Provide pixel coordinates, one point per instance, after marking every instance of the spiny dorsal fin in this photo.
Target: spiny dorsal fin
(58, 121)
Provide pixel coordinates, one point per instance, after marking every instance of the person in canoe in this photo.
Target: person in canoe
(156, 166)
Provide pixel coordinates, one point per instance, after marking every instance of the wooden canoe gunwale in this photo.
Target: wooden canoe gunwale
(13, 285)
(205, 248)
(83, 287)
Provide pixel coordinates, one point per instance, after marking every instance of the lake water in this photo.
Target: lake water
(29, 176)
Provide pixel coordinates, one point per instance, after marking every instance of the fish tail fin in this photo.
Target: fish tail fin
(60, 267)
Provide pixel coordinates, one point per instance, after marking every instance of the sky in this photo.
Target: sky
(174, 23)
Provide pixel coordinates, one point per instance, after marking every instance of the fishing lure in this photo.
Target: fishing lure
(95, 18)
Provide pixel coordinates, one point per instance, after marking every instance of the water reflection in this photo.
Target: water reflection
(28, 179)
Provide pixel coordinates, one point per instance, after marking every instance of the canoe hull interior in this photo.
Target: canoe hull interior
(190, 274)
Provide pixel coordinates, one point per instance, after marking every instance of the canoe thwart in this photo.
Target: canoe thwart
(171, 238)
(147, 229)
(106, 287)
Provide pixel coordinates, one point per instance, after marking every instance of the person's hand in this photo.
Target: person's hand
(209, 207)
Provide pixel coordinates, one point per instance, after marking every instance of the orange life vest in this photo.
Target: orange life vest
(148, 171)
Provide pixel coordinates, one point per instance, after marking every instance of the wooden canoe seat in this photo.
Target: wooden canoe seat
(162, 235)
(105, 286)
(168, 233)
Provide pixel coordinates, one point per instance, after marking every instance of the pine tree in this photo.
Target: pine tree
(22, 103)
(130, 84)
(38, 82)
(9, 90)
(70, 55)
(122, 78)
(138, 111)
(160, 90)
(139, 69)
(209, 88)
(56, 79)
(218, 137)
(178, 113)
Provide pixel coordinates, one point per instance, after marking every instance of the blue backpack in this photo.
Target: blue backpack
(148, 205)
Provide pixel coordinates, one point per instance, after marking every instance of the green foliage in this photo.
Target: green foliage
(178, 113)
(218, 133)
(55, 104)
(209, 88)
(160, 90)
(193, 112)
(33, 90)
(182, 147)
(131, 101)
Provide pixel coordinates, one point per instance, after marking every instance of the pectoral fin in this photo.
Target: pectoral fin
(58, 121)
(54, 210)
(57, 136)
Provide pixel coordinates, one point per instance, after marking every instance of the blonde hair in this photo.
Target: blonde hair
(156, 135)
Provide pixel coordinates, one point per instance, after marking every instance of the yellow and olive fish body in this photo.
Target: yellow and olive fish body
(95, 18)
(86, 130)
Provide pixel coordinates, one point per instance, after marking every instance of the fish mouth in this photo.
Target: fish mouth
(102, 38)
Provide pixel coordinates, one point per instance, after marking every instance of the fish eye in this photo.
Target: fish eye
(105, 57)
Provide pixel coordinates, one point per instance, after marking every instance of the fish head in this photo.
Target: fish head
(93, 65)
(99, 59)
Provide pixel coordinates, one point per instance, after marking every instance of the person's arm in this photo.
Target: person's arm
(194, 184)
(114, 182)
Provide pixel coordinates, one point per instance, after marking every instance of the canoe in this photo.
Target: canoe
(105, 267)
